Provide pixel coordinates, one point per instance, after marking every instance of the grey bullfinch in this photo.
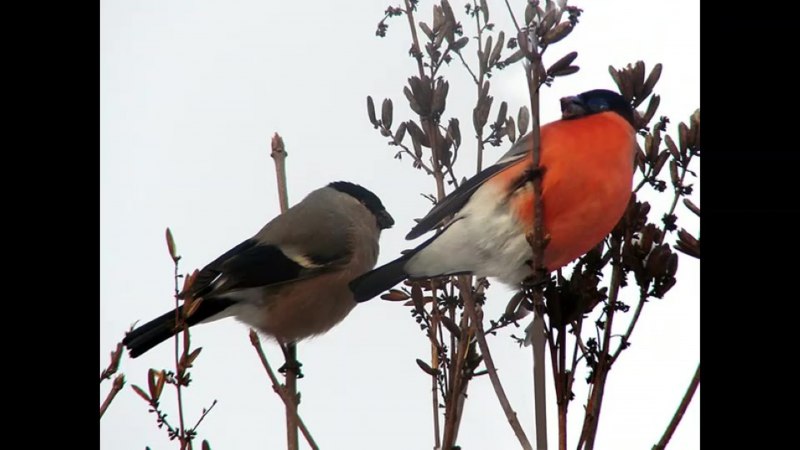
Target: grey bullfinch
(587, 170)
(290, 280)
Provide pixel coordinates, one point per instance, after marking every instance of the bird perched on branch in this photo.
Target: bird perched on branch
(586, 169)
(290, 280)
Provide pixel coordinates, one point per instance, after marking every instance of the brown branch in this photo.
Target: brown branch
(676, 419)
(276, 386)
(180, 322)
(435, 378)
(116, 386)
(455, 402)
(511, 416)
(205, 413)
(538, 341)
(417, 49)
(113, 365)
(536, 239)
(592, 418)
(514, 19)
(563, 388)
(279, 156)
(636, 313)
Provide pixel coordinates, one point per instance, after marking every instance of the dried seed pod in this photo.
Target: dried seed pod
(516, 56)
(662, 159)
(652, 106)
(651, 80)
(692, 207)
(511, 129)
(416, 133)
(523, 118)
(565, 71)
(426, 29)
(439, 97)
(484, 55)
(371, 112)
(563, 63)
(498, 47)
(673, 173)
(637, 80)
(616, 76)
(673, 149)
(141, 393)
(460, 43)
(426, 368)
(386, 113)
(450, 325)
(454, 131)
(481, 113)
(547, 22)
(558, 33)
(683, 138)
(400, 133)
(514, 303)
(395, 295)
(501, 113)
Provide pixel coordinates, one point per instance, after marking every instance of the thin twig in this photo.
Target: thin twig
(426, 122)
(412, 25)
(180, 322)
(435, 378)
(474, 78)
(479, 82)
(116, 386)
(279, 156)
(592, 418)
(511, 416)
(636, 313)
(113, 365)
(536, 239)
(205, 413)
(538, 341)
(457, 388)
(511, 12)
(676, 419)
(563, 392)
(276, 386)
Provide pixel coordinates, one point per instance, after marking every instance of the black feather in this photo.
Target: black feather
(376, 281)
(162, 328)
(248, 265)
(453, 202)
(372, 283)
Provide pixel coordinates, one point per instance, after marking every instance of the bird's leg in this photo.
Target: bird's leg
(291, 360)
(534, 281)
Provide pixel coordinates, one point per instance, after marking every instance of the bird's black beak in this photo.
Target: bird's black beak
(384, 220)
(572, 107)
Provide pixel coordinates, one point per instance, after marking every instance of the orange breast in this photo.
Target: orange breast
(586, 186)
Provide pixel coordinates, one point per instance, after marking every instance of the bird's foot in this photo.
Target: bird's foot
(294, 366)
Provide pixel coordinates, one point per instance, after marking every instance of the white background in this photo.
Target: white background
(191, 93)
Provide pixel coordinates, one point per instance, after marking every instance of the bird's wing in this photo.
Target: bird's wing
(306, 240)
(453, 202)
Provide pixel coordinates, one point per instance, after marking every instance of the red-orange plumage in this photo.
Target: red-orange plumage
(586, 185)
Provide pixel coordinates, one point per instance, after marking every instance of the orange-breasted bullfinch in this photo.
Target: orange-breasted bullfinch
(290, 280)
(586, 165)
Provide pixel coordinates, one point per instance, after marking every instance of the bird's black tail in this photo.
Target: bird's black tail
(376, 281)
(372, 283)
(163, 327)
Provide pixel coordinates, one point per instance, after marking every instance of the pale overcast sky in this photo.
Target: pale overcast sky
(191, 92)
